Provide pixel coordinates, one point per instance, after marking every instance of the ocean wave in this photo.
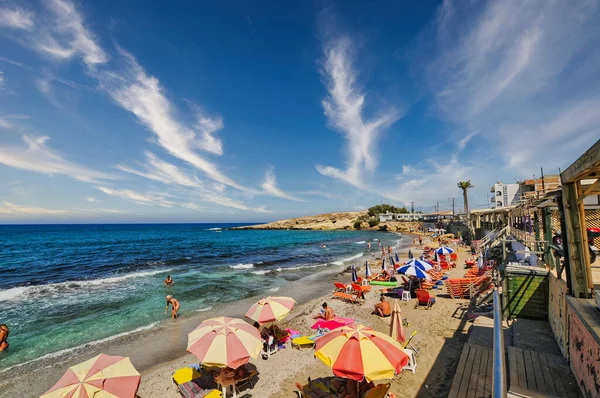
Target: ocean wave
(274, 289)
(57, 354)
(242, 266)
(22, 292)
(261, 272)
(301, 267)
(362, 242)
(214, 229)
(205, 309)
(342, 261)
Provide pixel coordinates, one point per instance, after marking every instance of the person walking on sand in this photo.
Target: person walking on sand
(383, 308)
(172, 301)
(420, 241)
(3, 337)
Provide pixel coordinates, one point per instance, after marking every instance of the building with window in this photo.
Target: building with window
(504, 195)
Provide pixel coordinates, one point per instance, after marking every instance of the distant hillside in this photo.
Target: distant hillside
(334, 221)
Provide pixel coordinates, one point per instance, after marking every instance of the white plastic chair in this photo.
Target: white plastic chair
(406, 295)
(270, 349)
(412, 360)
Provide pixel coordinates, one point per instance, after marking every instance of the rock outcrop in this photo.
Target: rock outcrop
(334, 221)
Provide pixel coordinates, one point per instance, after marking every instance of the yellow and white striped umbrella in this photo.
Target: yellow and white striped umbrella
(103, 376)
(271, 309)
(224, 342)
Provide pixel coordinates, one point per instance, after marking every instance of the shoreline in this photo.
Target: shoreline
(135, 344)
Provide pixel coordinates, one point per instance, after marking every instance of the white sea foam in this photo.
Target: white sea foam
(274, 289)
(242, 266)
(205, 309)
(362, 242)
(300, 267)
(57, 354)
(214, 229)
(342, 261)
(23, 292)
(261, 272)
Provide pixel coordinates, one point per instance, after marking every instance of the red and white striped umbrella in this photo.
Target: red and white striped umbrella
(358, 352)
(224, 342)
(271, 309)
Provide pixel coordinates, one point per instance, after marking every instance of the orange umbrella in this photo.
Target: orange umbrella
(224, 342)
(358, 352)
(102, 376)
(396, 328)
(271, 309)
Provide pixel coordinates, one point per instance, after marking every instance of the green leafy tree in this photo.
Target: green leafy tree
(385, 208)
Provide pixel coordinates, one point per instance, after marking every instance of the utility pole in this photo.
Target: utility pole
(543, 184)
(452, 209)
(412, 207)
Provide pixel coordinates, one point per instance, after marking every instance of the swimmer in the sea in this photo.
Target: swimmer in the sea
(3, 337)
(172, 301)
(169, 281)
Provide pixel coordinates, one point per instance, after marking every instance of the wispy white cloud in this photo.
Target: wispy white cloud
(4, 123)
(345, 108)
(67, 36)
(16, 18)
(159, 170)
(143, 95)
(12, 209)
(521, 74)
(270, 187)
(92, 199)
(207, 127)
(36, 156)
(137, 197)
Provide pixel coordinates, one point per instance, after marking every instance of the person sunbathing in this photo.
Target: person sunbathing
(384, 276)
(325, 313)
(3, 337)
(383, 308)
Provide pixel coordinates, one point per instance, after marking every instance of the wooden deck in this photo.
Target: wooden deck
(473, 377)
(537, 374)
(531, 374)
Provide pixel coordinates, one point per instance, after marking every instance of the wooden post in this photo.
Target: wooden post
(547, 221)
(585, 248)
(536, 225)
(576, 252)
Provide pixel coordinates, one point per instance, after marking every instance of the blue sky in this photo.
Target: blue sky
(122, 111)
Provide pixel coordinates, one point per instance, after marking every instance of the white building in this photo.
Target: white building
(398, 217)
(504, 195)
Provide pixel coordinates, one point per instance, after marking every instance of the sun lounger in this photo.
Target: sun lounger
(340, 287)
(191, 382)
(354, 299)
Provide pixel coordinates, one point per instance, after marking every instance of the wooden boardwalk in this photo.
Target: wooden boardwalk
(538, 374)
(473, 377)
(530, 374)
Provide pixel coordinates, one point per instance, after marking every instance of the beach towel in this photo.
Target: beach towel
(334, 323)
(192, 390)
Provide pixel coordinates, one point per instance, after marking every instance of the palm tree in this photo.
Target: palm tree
(465, 186)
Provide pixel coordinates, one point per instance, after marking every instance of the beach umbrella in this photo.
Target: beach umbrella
(271, 309)
(224, 342)
(358, 352)
(396, 328)
(368, 272)
(397, 259)
(101, 376)
(354, 274)
(413, 270)
(383, 263)
(384, 266)
(444, 250)
(424, 265)
(410, 255)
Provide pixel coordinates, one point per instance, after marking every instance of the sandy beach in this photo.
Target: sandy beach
(441, 333)
(156, 353)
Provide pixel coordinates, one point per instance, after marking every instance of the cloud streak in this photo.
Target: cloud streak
(344, 108)
(522, 75)
(270, 186)
(36, 156)
(16, 19)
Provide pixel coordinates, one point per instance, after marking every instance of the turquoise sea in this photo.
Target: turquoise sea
(66, 285)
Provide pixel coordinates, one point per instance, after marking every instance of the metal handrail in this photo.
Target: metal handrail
(499, 375)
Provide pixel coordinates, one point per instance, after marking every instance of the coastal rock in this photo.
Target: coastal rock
(334, 221)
